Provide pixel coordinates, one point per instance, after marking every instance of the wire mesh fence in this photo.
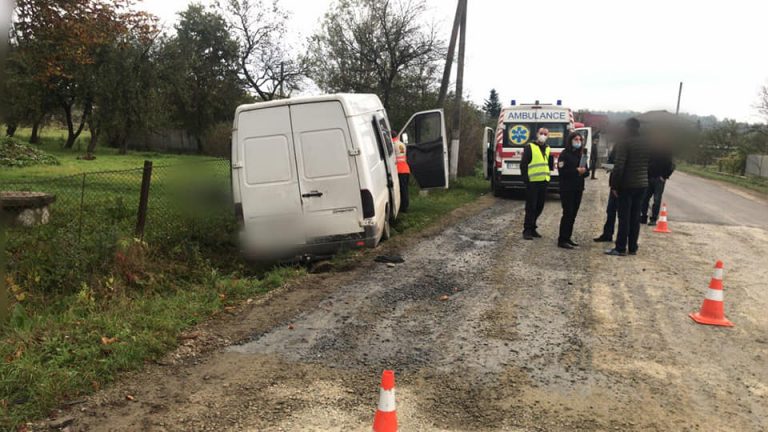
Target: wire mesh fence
(91, 211)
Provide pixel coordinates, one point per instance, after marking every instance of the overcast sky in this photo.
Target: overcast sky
(596, 54)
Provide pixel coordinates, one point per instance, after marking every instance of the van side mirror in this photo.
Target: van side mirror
(404, 138)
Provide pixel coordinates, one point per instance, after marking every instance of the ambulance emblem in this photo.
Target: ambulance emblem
(519, 134)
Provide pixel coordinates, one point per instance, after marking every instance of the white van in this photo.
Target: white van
(315, 175)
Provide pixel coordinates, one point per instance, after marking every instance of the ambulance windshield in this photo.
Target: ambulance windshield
(520, 134)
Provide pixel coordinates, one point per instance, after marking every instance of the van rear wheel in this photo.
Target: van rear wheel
(386, 232)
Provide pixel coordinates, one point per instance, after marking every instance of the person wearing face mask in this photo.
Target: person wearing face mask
(572, 169)
(535, 166)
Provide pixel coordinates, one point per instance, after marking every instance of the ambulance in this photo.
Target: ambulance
(517, 128)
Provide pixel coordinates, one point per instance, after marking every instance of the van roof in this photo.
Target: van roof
(354, 104)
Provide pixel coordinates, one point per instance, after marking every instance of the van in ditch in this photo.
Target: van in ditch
(312, 176)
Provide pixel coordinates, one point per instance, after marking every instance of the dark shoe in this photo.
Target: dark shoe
(603, 239)
(614, 252)
(643, 220)
(573, 243)
(527, 235)
(565, 245)
(652, 223)
(536, 234)
(633, 252)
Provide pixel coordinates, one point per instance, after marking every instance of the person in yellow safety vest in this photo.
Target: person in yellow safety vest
(536, 165)
(403, 172)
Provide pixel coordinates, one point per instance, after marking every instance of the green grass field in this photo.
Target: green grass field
(76, 283)
(107, 159)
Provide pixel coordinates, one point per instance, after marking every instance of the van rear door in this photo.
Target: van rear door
(268, 180)
(328, 180)
(427, 148)
(586, 138)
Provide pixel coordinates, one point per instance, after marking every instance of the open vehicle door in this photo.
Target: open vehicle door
(427, 148)
(488, 149)
(586, 138)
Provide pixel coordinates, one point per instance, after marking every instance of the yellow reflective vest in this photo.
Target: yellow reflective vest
(538, 169)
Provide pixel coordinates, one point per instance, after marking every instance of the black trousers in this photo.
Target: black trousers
(655, 190)
(404, 200)
(571, 201)
(535, 196)
(630, 202)
(610, 216)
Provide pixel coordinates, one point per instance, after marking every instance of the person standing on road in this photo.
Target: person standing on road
(536, 165)
(403, 172)
(572, 168)
(610, 210)
(593, 155)
(629, 183)
(660, 168)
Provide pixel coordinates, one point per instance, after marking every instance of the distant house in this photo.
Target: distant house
(598, 122)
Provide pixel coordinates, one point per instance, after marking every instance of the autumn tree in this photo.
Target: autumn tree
(62, 43)
(382, 47)
(200, 72)
(265, 63)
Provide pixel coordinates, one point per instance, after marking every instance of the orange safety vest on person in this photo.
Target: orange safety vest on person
(402, 161)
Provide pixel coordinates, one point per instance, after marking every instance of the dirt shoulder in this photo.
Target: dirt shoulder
(485, 332)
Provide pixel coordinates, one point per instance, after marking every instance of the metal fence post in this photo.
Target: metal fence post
(82, 204)
(146, 179)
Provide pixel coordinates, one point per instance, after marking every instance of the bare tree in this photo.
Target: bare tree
(762, 105)
(265, 61)
(380, 46)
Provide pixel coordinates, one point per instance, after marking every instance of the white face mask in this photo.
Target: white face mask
(576, 144)
(542, 139)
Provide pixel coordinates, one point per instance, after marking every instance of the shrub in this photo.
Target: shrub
(15, 154)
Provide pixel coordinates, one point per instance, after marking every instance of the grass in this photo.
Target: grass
(757, 184)
(107, 159)
(126, 302)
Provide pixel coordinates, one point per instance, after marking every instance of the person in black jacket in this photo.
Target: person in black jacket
(660, 168)
(628, 183)
(535, 191)
(572, 170)
(610, 210)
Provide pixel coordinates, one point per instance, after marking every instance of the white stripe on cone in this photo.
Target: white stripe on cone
(715, 295)
(387, 400)
(718, 274)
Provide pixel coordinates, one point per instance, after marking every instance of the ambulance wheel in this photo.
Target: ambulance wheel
(497, 190)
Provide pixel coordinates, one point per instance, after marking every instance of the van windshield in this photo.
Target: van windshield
(520, 134)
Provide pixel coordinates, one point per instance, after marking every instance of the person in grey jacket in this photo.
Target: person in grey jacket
(629, 183)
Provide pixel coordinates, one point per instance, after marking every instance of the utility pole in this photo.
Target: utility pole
(451, 53)
(456, 133)
(679, 95)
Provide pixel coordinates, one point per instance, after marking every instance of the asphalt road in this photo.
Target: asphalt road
(694, 199)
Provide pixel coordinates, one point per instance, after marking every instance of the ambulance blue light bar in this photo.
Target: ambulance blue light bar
(559, 102)
(514, 102)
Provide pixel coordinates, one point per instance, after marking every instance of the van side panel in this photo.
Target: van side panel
(269, 184)
(328, 178)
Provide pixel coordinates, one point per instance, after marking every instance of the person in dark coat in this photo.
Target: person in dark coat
(629, 183)
(572, 168)
(611, 209)
(593, 155)
(536, 177)
(660, 168)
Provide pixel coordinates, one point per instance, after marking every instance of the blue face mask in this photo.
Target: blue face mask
(576, 144)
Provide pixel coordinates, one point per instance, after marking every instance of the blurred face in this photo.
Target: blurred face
(577, 142)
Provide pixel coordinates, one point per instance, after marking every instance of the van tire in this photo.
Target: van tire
(386, 232)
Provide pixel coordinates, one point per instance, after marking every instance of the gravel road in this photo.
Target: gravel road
(485, 332)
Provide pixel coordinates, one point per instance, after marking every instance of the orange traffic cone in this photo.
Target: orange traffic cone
(712, 310)
(386, 414)
(662, 226)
